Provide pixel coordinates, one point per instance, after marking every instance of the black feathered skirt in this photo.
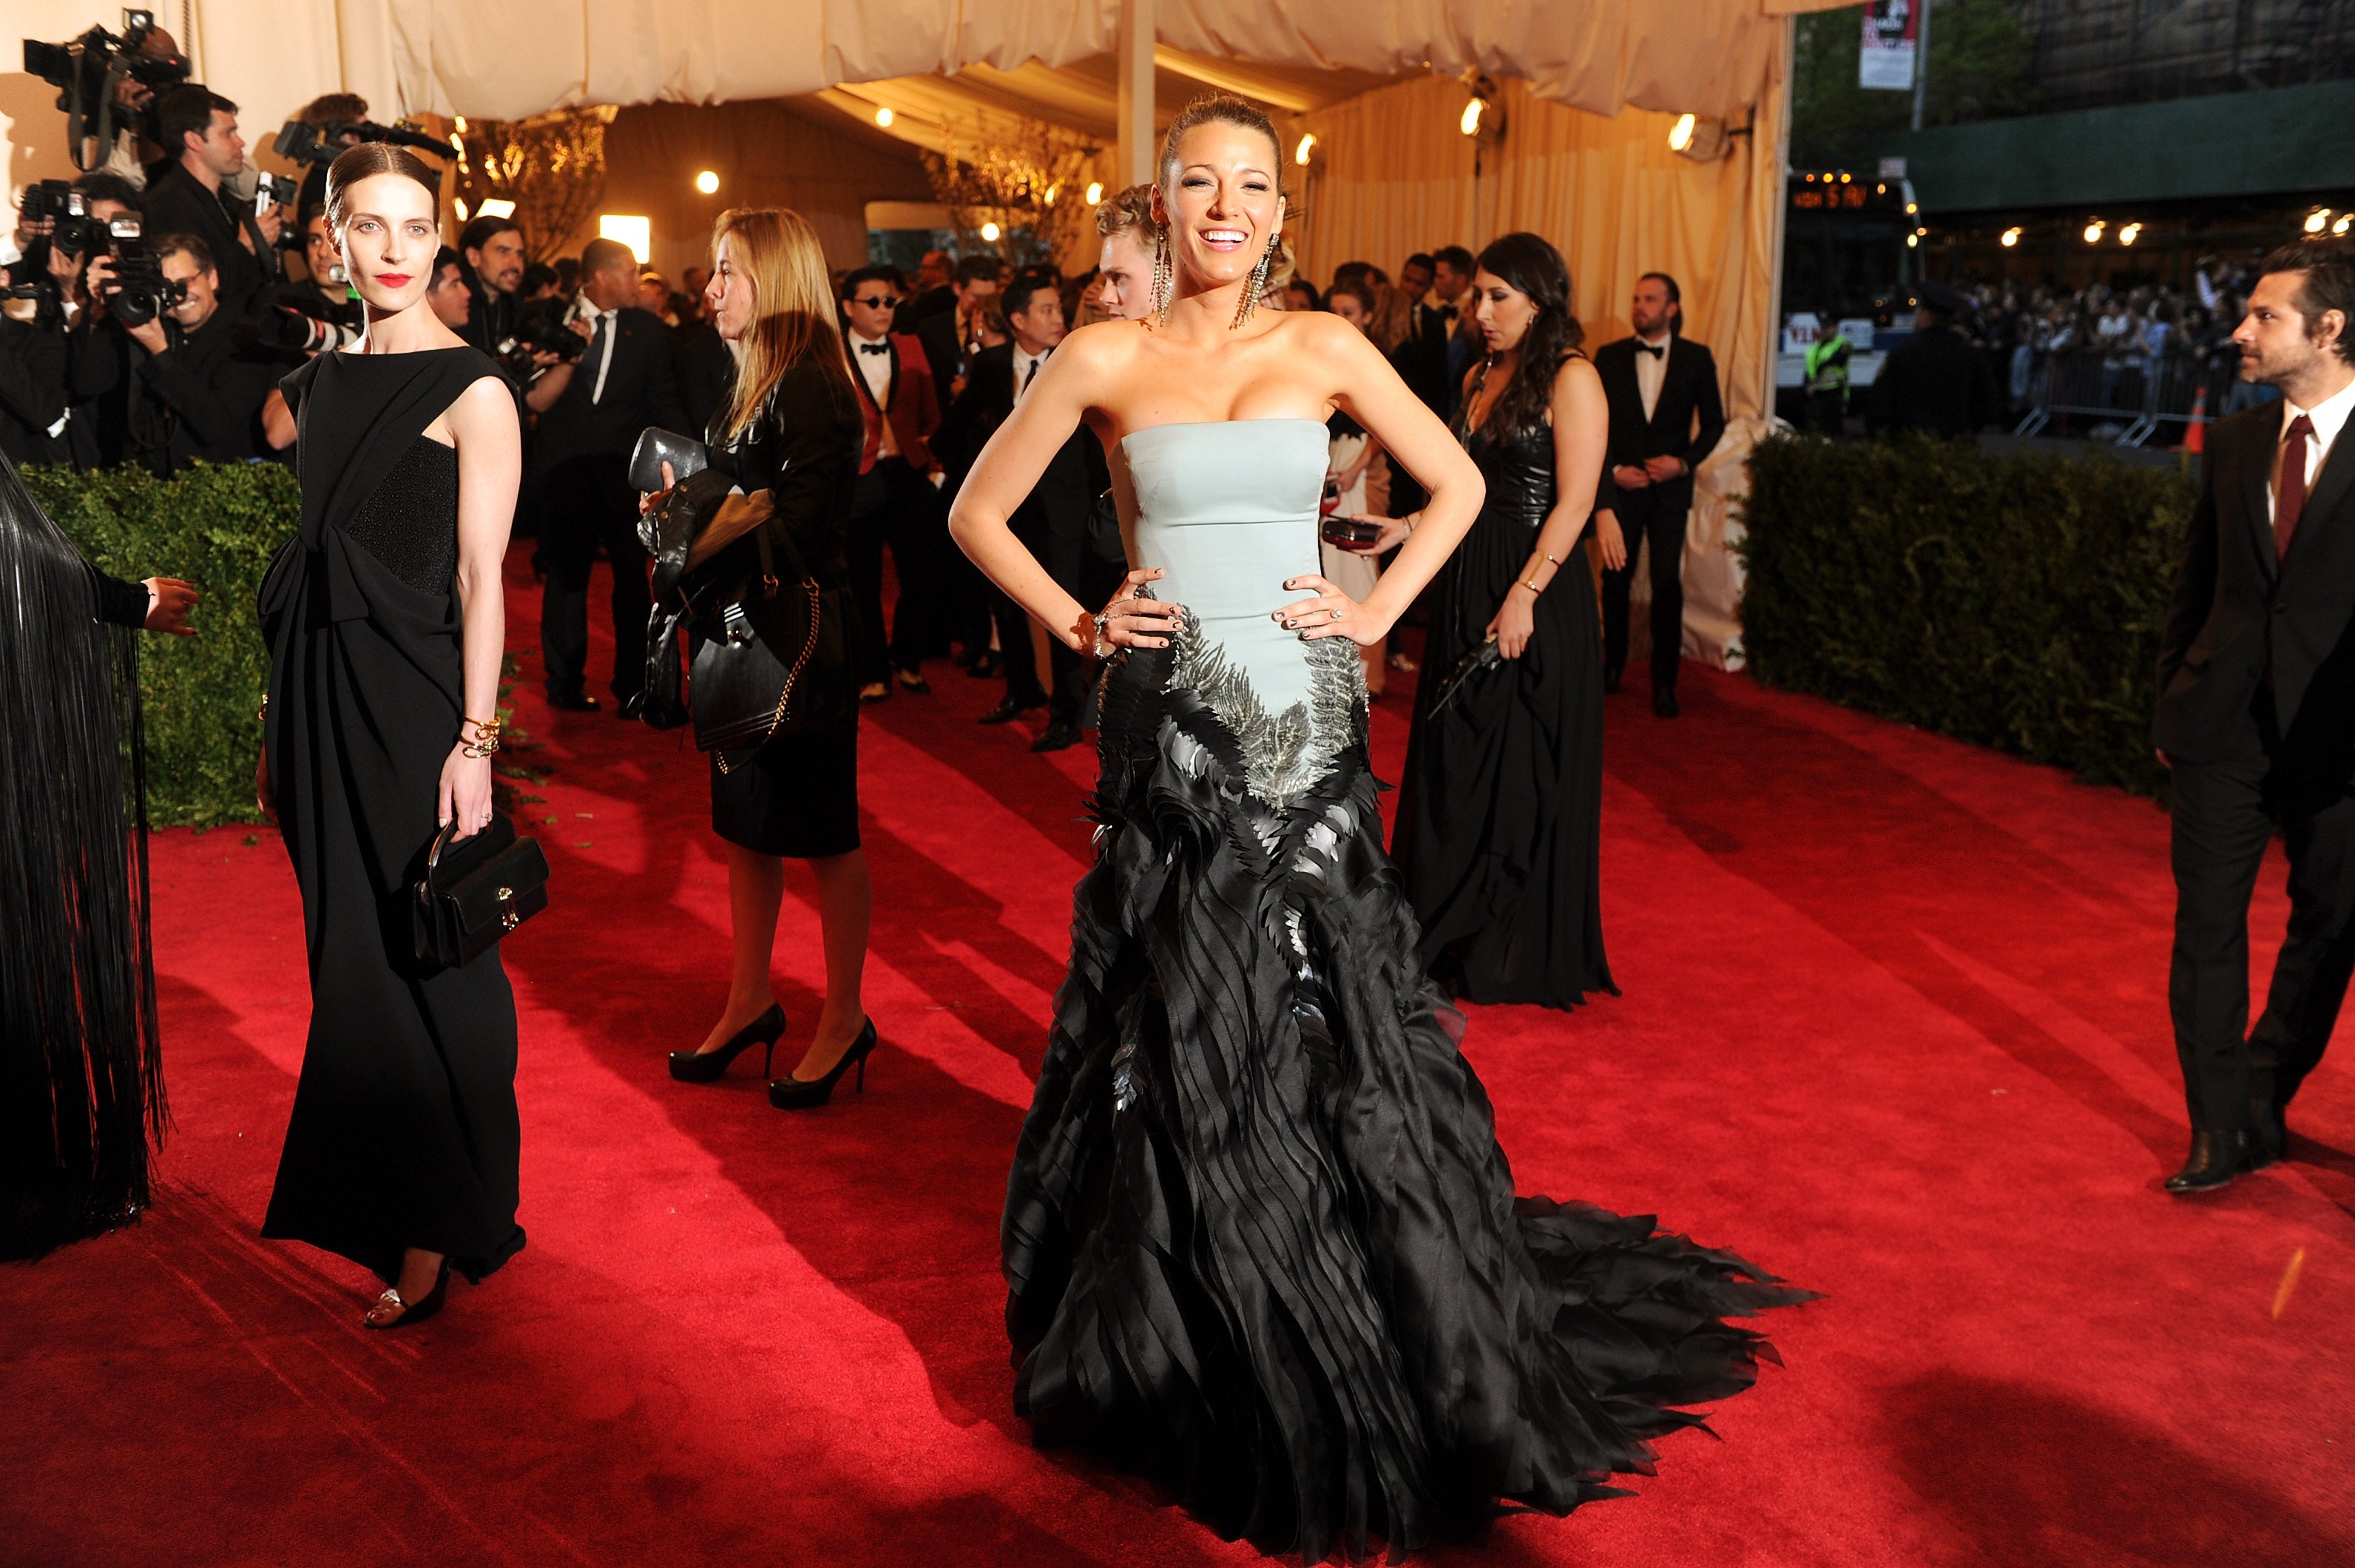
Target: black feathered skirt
(1260, 1240)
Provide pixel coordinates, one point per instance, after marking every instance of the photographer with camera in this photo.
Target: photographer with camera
(493, 249)
(190, 392)
(199, 130)
(107, 85)
(301, 316)
(60, 230)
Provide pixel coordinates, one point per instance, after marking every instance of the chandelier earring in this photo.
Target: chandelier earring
(1255, 287)
(1164, 279)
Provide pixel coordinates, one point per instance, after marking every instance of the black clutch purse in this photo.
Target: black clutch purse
(686, 455)
(475, 891)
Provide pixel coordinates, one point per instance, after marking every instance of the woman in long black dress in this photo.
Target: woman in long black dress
(385, 629)
(789, 434)
(1501, 813)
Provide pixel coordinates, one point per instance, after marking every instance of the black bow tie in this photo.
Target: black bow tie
(874, 348)
(1657, 350)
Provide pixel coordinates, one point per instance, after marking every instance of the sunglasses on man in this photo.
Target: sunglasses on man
(874, 302)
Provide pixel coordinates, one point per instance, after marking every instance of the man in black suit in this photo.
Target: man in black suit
(1053, 522)
(493, 250)
(199, 128)
(951, 338)
(1936, 380)
(591, 415)
(2256, 718)
(932, 295)
(1665, 417)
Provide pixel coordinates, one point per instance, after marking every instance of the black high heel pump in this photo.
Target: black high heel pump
(711, 1066)
(792, 1094)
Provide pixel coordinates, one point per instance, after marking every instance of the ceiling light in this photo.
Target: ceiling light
(990, 232)
(638, 233)
(1470, 124)
(2093, 232)
(1096, 192)
(884, 117)
(2345, 218)
(2130, 233)
(1912, 240)
(1680, 134)
(1308, 146)
(707, 182)
(2317, 220)
(2010, 237)
(496, 206)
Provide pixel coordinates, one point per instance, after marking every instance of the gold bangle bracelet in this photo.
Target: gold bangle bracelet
(1530, 583)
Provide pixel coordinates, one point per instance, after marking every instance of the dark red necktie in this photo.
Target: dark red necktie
(2289, 503)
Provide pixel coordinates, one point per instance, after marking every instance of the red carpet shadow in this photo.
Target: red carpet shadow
(2034, 1476)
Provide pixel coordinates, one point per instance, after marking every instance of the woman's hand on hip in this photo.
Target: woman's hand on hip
(1514, 620)
(1329, 613)
(465, 792)
(1130, 621)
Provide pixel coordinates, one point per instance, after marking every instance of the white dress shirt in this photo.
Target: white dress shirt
(1652, 370)
(1025, 365)
(875, 369)
(2330, 417)
(611, 320)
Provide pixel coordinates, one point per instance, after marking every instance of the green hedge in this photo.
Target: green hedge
(215, 526)
(2014, 602)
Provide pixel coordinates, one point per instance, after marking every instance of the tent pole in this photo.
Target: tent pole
(1777, 169)
(1133, 158)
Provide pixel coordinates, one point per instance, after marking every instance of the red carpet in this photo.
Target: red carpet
(1894, 1026)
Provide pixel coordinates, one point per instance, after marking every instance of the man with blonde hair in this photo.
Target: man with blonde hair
(1124, 265)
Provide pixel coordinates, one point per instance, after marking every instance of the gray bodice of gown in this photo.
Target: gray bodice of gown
(1227, 510)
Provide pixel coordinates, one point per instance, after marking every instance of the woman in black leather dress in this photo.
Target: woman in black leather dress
(789, 434)
(1501, 813)
(386, 623)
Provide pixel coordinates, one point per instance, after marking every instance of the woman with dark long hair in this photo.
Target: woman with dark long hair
(1500, 812)
(386, 621)
(1260, 1236)
(788, 434)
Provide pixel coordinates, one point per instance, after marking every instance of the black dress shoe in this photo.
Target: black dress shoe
(912, 681)
(1005, 712)
(2215, 1160)
(573, 702)
(1664, 704)
(1057, 737)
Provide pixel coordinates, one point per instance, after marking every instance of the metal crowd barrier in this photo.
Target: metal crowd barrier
(2137, 395)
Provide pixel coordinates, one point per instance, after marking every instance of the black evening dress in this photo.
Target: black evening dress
(798, 796)
(1260, 1240)
(404, 1132)
(1500, 812)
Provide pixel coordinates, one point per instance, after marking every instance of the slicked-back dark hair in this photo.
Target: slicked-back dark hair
(1529, 265)
(1455, 256)
(1015, 297)
(878, 272)
(2329, 283)
(481, 231)
(187, 108)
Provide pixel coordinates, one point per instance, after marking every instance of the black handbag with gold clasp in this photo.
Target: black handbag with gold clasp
(475, 892)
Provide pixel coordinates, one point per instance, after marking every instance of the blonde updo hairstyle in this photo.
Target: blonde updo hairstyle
(367, 161)
(1222, 109)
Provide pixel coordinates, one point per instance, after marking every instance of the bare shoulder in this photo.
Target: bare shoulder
(1577, 373)
(1103, 345)
(485, 411)
(1323, 334)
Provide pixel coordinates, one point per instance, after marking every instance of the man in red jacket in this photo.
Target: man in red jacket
(898, 499)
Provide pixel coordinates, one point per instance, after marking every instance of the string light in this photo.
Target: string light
(1680, 134)
(990, 232)
(1470, 124)
(2345, 220)
(707, 182)
(884, 117)
(2130, 233)
(2010, 237)
(1095, 193)
(2093, 231)
(1308, 146)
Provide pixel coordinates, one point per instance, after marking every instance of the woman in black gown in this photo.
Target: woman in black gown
(789, 435)
(1500, 812)
(385, 629)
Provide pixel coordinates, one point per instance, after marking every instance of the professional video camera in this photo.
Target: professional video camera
(139, 292)
(299, 142)
(538, 332)
(88, 73)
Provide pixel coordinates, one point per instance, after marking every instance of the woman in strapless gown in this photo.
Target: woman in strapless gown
(386, 628)
(1260, 1241)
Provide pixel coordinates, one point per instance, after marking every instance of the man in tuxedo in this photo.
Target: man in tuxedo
(951, 338)
(1053, 522)
(2257, 717)
(932, 295)
(591, 413)
(1666, 417)
(898, 500)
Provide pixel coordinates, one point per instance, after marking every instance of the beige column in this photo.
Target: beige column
(1134, 160)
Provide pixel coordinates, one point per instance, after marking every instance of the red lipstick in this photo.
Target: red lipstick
(393, 280)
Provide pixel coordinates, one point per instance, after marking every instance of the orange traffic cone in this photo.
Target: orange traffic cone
(2195, 439)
